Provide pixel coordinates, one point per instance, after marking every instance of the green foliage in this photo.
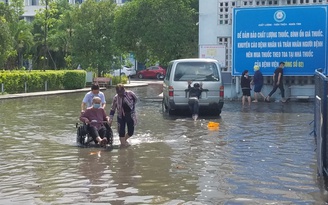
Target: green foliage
(117, 79)
(52, 28)
(74, 79)
(165, 30)
(14, 81)
(20, 34)
(6, 40)
(98, 34)
(92, 42)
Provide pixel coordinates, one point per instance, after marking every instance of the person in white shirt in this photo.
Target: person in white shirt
(95, 92)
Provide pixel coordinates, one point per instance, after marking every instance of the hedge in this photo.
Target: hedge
(117, 79)
(14, 81)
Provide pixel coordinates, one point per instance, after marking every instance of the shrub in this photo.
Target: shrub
(14, 81)
(74, 79)
(117, 79)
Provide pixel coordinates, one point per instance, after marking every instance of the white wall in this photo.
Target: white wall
(208, 22)
(31, 10)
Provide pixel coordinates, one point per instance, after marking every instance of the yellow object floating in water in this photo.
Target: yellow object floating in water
(213, 125)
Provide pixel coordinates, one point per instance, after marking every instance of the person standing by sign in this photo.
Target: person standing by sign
(257, 82)
(246, 87)
(278, 77)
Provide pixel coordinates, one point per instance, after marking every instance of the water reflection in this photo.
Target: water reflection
(261, 154)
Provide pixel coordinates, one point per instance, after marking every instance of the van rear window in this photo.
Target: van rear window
(200, 71)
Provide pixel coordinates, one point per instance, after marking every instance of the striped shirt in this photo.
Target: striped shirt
(130, 99)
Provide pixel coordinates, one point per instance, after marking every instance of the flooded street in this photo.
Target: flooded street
(260, 155)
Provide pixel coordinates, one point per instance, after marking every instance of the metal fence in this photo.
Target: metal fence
(320, 122)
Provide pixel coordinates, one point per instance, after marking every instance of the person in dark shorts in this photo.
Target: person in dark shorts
(258, 83)
(278, 77)
(193, 101)
(124, 102)
(246, 87)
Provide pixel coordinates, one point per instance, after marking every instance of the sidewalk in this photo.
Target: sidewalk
(55, 92)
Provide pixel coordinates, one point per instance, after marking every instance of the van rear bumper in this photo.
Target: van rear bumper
(211, 106)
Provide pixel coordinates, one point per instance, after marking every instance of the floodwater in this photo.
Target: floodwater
(259, 155)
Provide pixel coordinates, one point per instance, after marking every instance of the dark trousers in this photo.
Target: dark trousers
(94, 133)
(125, 121)
(193, 106)
(275, 87)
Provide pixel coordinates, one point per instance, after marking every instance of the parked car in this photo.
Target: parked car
(124, 71)
(152, 72)
(198, 70)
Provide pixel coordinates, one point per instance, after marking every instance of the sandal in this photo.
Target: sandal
(266, 99)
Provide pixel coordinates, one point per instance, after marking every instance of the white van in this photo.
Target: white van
(197, 70)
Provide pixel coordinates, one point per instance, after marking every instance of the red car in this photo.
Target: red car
(152, 72)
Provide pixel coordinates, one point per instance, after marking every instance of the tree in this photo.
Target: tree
(20, 33)
(45, 20)
(157, 31)
(5, 40)
(92, 41)
(59, 37)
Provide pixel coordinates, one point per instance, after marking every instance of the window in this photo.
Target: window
(223, 12)
(168, 71)
(200, 71)
(226, 41)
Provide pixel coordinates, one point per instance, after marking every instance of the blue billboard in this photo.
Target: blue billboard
(265, 36)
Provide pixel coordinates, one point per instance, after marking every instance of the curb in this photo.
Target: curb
(55, 92)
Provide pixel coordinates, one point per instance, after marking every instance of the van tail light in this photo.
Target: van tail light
(171, 91)
(222, 91)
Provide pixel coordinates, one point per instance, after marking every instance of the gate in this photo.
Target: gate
(320, 122)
